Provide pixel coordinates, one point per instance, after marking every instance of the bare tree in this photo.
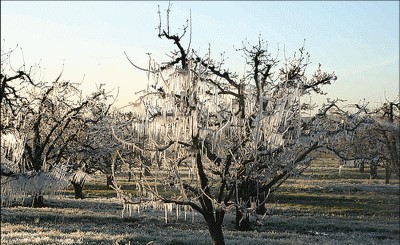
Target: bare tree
(387, 130)
(47, 118)
(371, 137)
(222, 140)
(98, 150)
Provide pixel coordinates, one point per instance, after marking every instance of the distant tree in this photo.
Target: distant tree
(94, 150)
(45, 119)
(372, 138)
(223, 140)
(98, 150)
(387, 130)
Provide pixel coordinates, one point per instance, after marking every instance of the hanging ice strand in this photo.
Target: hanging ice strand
(177, 211)
(166, 213)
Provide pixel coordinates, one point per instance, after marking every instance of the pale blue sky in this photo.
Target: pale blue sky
(357, 40)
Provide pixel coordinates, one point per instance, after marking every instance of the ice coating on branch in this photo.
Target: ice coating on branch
(215, 140)
(12, 147)
(179, 107)
(16, 185)
(17, 188)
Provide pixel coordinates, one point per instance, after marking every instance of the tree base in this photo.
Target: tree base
(38, 201)
(78, 191)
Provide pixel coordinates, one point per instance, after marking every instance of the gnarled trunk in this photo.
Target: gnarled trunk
(242, 222)
(213, 217)
(215, 229)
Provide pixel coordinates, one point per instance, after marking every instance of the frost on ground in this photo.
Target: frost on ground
(99, 221)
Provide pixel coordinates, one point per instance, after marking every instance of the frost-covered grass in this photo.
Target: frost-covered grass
(307, 210)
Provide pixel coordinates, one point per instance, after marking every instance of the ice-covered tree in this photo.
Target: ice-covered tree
(371, 136)
(14, 84)
(98, 150)
(387, 132)
(41, 122)
(219, 139)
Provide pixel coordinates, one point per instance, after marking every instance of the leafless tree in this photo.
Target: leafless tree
(98, 150)
(222, 140)
(47, 118)
(371, 137)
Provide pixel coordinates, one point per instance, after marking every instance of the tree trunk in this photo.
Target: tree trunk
(242, 221)
(214, 217)
(38, 201)
(78, 188)
(261, 209)
(110, 180)
(373, 173)
(215, 230)
(387, 175)
(146, 172)
(361, 167)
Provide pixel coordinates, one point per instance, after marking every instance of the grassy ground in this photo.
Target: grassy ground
(320, 207)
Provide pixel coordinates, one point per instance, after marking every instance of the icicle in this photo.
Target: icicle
(166, 214)
(170, 207)
(185, 211)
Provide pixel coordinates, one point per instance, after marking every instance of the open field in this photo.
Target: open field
(320, 207)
